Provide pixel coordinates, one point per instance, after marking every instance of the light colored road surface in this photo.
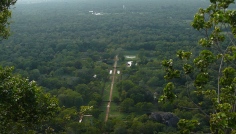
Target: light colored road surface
(112, 84)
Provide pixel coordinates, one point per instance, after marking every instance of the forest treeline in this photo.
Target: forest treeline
(69, 51)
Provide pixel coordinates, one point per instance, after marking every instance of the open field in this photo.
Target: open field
(106, 92)
(114, 112)
(103, 108)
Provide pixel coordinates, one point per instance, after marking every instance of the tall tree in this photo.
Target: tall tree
(214, 67)
(23, 105)
(5, 14)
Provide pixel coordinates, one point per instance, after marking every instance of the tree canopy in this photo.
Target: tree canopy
(5, 14)
(23, 105)
(69, 53)
(212, 73)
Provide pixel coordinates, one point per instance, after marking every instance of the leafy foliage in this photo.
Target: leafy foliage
(70, 52)
(23, 104)
(5, 14)
(216, 23)
(186, 126)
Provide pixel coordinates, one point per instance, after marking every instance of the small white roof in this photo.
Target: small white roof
(130, 56)
(129, 63)
(98, 14)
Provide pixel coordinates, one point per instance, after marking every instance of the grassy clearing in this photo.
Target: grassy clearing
(114, 112)
(131, 57)
(106, 92)
(131, 54)
(103, 108)
(115, 91)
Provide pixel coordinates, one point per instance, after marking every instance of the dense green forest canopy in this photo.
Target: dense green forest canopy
(47, 32)
(24, 106)
(68, 47)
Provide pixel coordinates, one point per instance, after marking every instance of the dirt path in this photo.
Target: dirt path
(111, 90)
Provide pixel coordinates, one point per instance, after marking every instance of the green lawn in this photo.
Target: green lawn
(103, 108)
(115, 91)
(106, 92)
(114, 112)
(131, 59)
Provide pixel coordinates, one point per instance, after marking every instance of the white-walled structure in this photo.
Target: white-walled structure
(129, 63)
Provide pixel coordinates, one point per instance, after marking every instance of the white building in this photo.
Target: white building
(130, 56)
(98, 14)
(129, 63)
